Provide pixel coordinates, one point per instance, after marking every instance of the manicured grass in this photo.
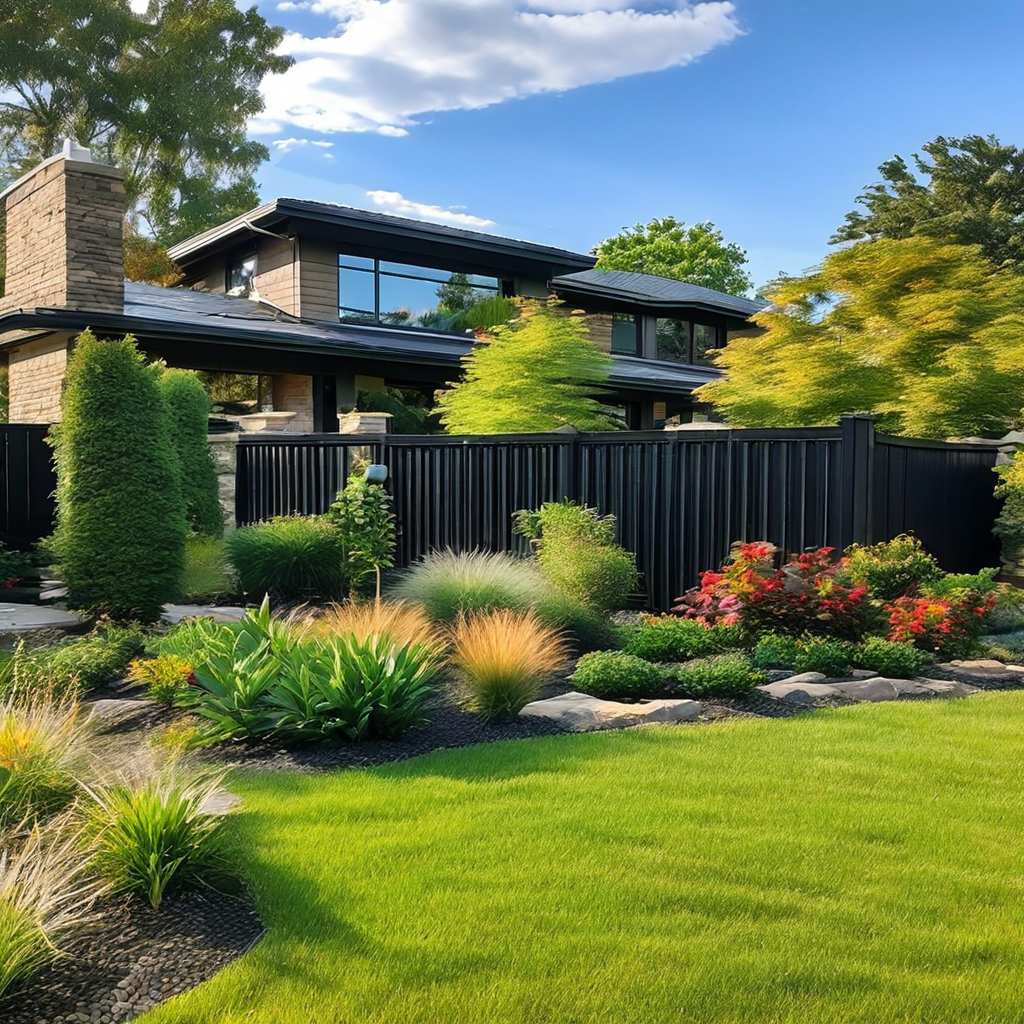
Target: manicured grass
(858, 865)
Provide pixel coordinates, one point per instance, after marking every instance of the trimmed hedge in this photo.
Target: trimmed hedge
(673, 639)
(120, 535)
(613, 674)
(188, 407)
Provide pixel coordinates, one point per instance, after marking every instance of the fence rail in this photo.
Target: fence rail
(680, 497)
(27, 483)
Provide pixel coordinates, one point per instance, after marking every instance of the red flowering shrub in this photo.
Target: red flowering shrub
(803, 596)
(944, 625)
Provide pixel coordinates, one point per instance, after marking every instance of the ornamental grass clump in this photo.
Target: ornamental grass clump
(194, 640)
(501, 659)
(46, 898)
(404, 623)
(449, 584)
(207, 577)
(152, 833)
(615, 674)
(41, 744)
(293, 558)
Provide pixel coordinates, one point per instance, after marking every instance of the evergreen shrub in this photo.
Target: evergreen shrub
(121, 525)
(188, 407)
(669, 638)
(614, 674)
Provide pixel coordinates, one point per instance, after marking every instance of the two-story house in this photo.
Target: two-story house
(321, 301)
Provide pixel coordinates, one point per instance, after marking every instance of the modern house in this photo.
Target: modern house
(322, 301)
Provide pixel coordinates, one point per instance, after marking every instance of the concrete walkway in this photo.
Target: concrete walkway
(23, 618)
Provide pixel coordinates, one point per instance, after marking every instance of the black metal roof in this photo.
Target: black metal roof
(336, 215)
(182, 314)
(648, 290)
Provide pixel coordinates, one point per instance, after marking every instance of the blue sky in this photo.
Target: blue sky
(561, 121)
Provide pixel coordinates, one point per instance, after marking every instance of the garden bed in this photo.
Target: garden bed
(133, 957)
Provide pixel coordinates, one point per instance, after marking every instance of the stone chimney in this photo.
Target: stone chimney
(65, 223)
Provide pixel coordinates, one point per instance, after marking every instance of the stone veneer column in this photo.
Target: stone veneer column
(224, 447)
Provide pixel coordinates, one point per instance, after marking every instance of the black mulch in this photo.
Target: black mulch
(449, 727)
(133, 957)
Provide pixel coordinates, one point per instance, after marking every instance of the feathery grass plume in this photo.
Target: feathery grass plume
(46, 897)
(152, 832)
(501, 659)
(408, 625)
(206, 577)
(41, 741)
(448, 585)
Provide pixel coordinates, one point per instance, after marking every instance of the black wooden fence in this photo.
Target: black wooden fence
(27, 483)
(680, 497)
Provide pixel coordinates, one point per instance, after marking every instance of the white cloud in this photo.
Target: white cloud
(389, 61)
(396, 203)
(287, 145)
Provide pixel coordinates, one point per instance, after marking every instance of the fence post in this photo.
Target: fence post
(857, 448)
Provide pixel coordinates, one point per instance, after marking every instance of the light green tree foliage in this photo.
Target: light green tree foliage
(537, 373)
(665, 247)
(927, 336)
(969, 191)
(189, 409)
(166, 94)
(120, 537)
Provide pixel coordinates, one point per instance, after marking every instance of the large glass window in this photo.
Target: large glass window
(680, 341)
(673, 340)
(625, 335)
(379, 291)
(705, 341)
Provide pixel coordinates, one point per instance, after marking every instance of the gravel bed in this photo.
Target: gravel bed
(449, 727)
(133, 957)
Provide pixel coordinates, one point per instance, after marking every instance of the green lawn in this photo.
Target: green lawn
(865, 865)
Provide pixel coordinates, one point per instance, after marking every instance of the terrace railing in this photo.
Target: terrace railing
(680, 497)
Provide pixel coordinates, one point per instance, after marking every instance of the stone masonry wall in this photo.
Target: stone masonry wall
(36, 371)
(294, 393)
(64, 241)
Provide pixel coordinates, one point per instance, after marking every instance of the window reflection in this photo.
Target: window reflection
(625, 335)
(405, 294)
(673, 340)
(705, 341)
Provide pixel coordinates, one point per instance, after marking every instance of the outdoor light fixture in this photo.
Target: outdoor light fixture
(376, 474)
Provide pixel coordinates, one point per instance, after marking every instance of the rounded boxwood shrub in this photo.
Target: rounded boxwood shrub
(721, 675)
(774, 650)
(669, 638)
(188, 406)
(892, 660)
(829, 657)
(613, 674)
(292, 558)
(120, 535)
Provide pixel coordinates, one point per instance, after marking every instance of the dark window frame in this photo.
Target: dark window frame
(502, 285)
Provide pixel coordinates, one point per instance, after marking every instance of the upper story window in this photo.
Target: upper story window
(680, 341)
(405, 294)
(241, 273)
(625, 334)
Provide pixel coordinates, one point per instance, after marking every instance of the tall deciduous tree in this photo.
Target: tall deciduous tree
(968, 191)
(537, 373)
(667, 248)
(926, 335)
(165, 94)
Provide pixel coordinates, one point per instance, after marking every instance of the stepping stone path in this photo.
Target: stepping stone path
(23, 618)
(174, 613)
(580, 712)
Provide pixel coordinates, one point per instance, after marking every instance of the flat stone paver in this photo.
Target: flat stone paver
(23, 618)
(876, 688)
(174, 613)
(582, 713)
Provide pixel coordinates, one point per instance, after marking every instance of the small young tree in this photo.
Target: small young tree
(537, 373)
(121, 527)
(189, 408)
(366, 532)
